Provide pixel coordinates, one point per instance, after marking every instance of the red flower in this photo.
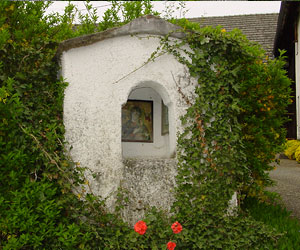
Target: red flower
(176, 227)
(140, 227)
(171, 245)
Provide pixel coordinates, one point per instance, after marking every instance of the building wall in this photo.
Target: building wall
(102, 77)
(297, 76)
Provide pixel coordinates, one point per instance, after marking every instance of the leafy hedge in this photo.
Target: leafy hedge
(235, 125)
(233, 130)
(33, 166)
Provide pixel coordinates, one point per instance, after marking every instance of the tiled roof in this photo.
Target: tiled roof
(260, 28)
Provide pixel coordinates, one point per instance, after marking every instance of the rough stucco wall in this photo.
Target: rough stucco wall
(92, 111)
(297, 63)
(147, 183)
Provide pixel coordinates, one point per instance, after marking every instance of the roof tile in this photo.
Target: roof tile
(259, 28)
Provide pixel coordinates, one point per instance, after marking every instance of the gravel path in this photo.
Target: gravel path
(287, 178)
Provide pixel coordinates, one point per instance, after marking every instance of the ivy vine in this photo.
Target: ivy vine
(239, 90)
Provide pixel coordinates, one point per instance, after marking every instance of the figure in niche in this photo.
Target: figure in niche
(137, 121)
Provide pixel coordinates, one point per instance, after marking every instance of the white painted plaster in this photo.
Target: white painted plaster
(95, 95)
(232, 204)
(297, 80)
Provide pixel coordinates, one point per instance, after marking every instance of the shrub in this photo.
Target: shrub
(291, 147)
(297, 154)
(33, 217)
(233, 130)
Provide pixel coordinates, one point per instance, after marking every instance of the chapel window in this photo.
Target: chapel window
(137, 121)
(145, 125)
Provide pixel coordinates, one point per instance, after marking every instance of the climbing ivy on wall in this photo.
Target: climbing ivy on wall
(233, 131)
(240, 106)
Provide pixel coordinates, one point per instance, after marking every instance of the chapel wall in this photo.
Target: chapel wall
(102, 77)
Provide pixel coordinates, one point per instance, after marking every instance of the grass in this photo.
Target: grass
(277, 217)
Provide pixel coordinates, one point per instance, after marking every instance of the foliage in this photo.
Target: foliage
(33, 217)
(34, 171)
(38, 209)
(221, 148)
(277, 217)
(233, 129)
(260, 93)
(291, 149)
(297, 154)
(128, 10)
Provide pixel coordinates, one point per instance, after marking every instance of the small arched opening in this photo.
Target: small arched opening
(147, 128)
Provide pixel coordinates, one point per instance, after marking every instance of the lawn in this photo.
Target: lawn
(279, 218)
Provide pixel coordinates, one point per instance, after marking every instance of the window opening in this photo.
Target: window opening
(137, 121)
(164, 119)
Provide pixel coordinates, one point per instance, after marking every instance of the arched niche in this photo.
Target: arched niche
(147, 127)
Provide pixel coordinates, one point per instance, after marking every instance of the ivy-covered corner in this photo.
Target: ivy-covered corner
(233, 131)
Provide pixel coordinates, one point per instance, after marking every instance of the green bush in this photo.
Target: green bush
(39, 190)
(253, 86)
(226, 147)
(33, 217)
